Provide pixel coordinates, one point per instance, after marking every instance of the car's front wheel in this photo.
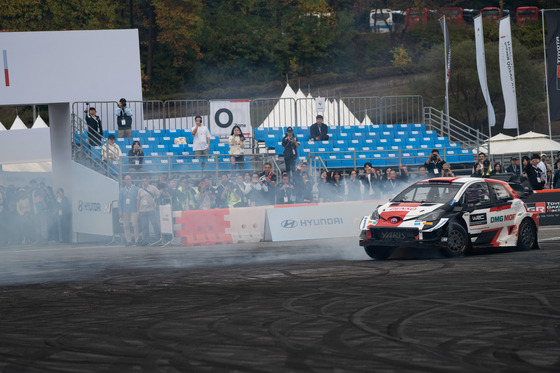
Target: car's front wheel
(527, 238)
(457, 241)
(379, 252)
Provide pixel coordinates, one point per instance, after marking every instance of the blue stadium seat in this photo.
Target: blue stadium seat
(376, 128)
(151, 141)
(403, 127)
(383, 142)
(372, 143)
(418, 127)
(158, 133)
(467, 155)
(177, 149)
(387, 135)
(260, 133)
(430, 133)
(400, 143)
(181, 164)
(344, 136)
(422, 156)
(347, 161)
(347, 129)
(147, 148)
(392, 159)
(358, 136)
(452, 156)
(271, 140)
(409, 157)
(443, 141)
(176, 133)
(429, 141)
(122, 142)
(331, 161)
(402, 135)
(355, 143)
(166, 140)
(223, 147)
(161, 149)
(413, 141)
(416, 134)
(377, 159)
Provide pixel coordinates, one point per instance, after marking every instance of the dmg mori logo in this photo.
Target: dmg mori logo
(289, 224)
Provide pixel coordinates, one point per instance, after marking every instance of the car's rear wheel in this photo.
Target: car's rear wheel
(527, 237)
(379, 252)
(457, 241)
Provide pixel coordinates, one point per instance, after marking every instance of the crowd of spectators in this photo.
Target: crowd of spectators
(34, 214)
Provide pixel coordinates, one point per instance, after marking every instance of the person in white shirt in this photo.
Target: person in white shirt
(542, 166)
(201, 140)
(111, 151)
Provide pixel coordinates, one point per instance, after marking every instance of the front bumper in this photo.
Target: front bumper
(409, 237)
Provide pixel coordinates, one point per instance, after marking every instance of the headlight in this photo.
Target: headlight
(375, 215)
(432, 216)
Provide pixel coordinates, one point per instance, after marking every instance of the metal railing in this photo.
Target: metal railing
(456, 131)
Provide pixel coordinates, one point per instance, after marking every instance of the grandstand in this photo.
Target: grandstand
(348, 147)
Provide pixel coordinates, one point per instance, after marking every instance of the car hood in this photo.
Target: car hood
(406, 211)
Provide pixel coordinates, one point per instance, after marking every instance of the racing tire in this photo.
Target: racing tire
(457, 241)
(379, 252)
(527, 236)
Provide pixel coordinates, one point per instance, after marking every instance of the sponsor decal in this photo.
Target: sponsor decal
(86, 206)
(478, 219)
(291, 223)
(539, 207)
(393, 235)
(401, 208)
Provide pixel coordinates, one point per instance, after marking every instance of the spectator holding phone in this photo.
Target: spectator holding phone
(124, 119)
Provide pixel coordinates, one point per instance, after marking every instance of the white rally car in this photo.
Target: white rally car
(452, 214)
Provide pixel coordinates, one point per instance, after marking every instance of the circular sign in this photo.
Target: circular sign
(219, 122)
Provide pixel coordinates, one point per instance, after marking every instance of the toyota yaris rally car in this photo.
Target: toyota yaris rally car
(452, 214)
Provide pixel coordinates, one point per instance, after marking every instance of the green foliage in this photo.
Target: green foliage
(401, 59)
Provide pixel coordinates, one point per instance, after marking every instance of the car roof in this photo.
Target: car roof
(464, 180)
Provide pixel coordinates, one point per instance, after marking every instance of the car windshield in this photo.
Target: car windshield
(428, 193)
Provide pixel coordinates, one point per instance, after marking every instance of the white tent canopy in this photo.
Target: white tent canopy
(282, 115)
(2, 128)
(39, 123)
(530, 142)
(18, 124)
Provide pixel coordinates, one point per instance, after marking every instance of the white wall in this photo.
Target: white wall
(28, 145)
(67, 66)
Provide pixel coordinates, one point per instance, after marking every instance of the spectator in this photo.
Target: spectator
(242, 191)
(556, 160)
(175, 195)
(525, 162)
(556, 177)
(542, 166)
(124, 119)
(434, 163)
(534, 173)
(255, 196)
(268, 181)
(95, 131)
(204, 196)
(323, 191)
(422, 174)
(298, 174)
(128, 209)
(52, 218)
(25, 220)
(136, 157)
(354, 187)
(237, 148)
(446, 171)
(404, 177)
(285, 193)
(392, 186)
(497, 169)
(371, 181)
(226, 193)
(336, 187)
(483, 170)
(64, 216)
(514, 166)
(290, 144)
(480, 161)
(304, 192)
(146, 205)
(201, 140)
(111, 151)
(39, 211)
(319, 130)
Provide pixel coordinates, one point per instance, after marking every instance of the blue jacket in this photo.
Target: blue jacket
(130, 196)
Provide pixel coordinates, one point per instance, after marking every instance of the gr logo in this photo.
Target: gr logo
(290, 223)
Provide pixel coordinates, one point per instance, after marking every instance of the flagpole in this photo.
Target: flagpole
(546, 75)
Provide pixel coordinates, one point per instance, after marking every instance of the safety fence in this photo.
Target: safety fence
(267, 112)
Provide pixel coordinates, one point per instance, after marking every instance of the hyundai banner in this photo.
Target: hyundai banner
(553, 62)
(481, 68)
(507, 74)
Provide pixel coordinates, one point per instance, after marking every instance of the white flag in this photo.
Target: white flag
(507, 74)
(481, 67)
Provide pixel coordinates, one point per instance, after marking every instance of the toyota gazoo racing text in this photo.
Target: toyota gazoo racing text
(452, 214)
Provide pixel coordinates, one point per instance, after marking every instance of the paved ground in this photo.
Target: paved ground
(302, 306)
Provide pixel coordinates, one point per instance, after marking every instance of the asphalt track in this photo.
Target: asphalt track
(305, 306)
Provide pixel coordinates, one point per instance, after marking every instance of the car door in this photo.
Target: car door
(477, 202)
(503, 212)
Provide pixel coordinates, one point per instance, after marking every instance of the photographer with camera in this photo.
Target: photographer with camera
(268, 182)
(124, 119)
(226, 193)
(479, 162)
(434, 164)
(285, 192)
(482, 170)
(446, 171)
(534, 173)
(290, 144)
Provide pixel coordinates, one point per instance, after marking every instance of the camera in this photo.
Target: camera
(262, 178)
(486, 163)
(434, 157)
